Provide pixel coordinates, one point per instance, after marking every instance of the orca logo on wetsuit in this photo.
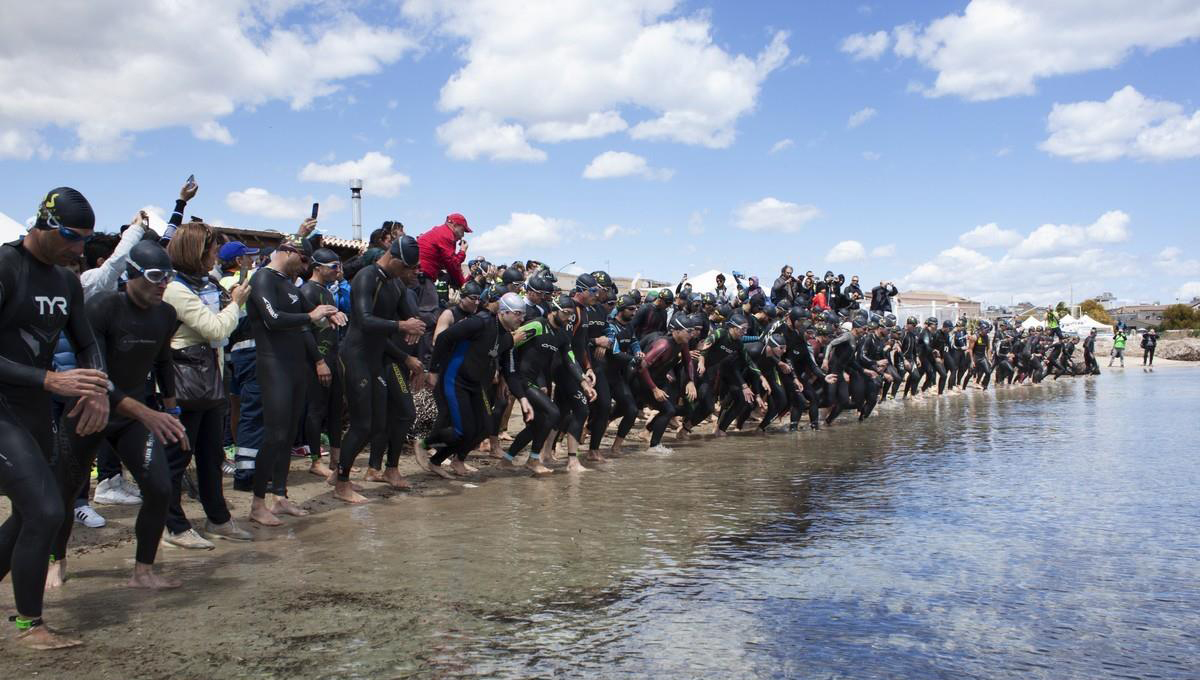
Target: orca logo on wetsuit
(47, 305)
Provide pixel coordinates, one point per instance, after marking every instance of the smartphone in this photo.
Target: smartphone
(191, 179)
(242, 275)
(316, 206)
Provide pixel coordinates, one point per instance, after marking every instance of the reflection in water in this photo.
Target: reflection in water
(1050, 531)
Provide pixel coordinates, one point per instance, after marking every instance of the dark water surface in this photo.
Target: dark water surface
(1043, 532)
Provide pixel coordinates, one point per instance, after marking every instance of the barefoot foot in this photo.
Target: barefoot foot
(42, 638)
(283, 506)
(345, 491)
(145, 578)
(573, 465)
(56, 575)
(394, 479)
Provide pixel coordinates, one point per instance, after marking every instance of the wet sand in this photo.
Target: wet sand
(443, 580)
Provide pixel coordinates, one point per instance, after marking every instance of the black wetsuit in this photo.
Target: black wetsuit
(663, 355)
(981, 365)
(839, 355)
(464, 358)
(399, 409)
(622, 364)
(135, 342)
(545, 345)
(286, 358)
(594, 322)
(374, 312)
(326, 405)
(648, 319)
(37, 302)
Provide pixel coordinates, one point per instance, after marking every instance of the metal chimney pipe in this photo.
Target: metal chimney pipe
(356, 203)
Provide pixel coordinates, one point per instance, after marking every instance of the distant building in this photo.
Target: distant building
(257, 238)
(922, 303)
(1138, 316)
(1104, 297)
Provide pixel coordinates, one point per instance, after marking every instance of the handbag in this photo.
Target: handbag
(199, 385)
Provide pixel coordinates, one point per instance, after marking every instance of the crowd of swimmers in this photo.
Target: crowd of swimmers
(146, 355)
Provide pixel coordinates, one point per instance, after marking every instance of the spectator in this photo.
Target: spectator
(207, 317)
(1149, 343)
(442, 251)
(1118, 348)
(881, 297)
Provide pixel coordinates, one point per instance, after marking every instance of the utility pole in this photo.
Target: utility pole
(356, 203)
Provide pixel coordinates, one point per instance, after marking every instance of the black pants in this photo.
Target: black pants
(284, 385)
(366, 398)
(146, 460)
(462, 418)
(666, 411)
(572, 405)
(624, 404)
(545, 416)
(983, 369)
(394, 419)
(839, 397)
(27, 477)
(1148, 356)
(601, 406)
(325, 409)
(205, 431)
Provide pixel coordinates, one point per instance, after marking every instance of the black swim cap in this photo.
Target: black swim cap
(603, 279)
(65, 207)
(738, 319)
(685, 322)
(912, 320)
(406, 250)
(470, 289)
(562, 302)
(512, 275)
(931, 320)
(147, 255)
(490, 295)
(626, 301)
(775, 341)
(542, 282)
(666, 295)
(325, 256)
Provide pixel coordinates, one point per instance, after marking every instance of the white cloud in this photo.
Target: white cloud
(596, 125)
(213, 131)
(374, 169)
(1170, 262)
(114, 76)
(1128, 125)
(614, 230)
(989, 236)
(888, 250)
(524, 233)
(1003, 151)
(781, 145)
(262, 203)
(1188, 291)
(1000, 48)
(861, 116)
(577, 69)
(871, 155)
(846, 251)
(695, 225)
(22, 145)
(866, 45)
(772, 214)
(1051, 239)
(471, 135)
(1040, 267)
(623, 164)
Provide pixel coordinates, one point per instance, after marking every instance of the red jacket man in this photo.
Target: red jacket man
(439, 250)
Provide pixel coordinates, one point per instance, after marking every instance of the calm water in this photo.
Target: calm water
(1048, 532)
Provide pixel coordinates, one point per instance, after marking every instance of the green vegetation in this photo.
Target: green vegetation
(1096, 311)
(1180, 316)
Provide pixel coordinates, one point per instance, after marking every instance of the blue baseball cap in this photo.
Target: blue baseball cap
(235, 249)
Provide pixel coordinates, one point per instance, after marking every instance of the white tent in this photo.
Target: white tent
(10, 229)
(1084, 324)
(1031, 323)
(1066, 319)
(707, 282)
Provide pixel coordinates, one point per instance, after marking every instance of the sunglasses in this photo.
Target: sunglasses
(474, 298)
(334, 266)
(154, 275)
(593, 290)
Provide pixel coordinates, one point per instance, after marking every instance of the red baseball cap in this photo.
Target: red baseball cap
(459, 220)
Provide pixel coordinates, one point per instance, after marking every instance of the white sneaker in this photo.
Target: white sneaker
(130, 487)
(111, 492)
(661, 450)
(188, 539)
(88, 517)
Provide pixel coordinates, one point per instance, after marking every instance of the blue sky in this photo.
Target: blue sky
(867, 138)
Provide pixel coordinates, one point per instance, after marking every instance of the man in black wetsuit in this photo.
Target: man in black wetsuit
(134, 329)
(40, 298)
(326, 400)
(652, 317)
(376, 308)
(657, 386)
(280, 319)
(463, 360)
